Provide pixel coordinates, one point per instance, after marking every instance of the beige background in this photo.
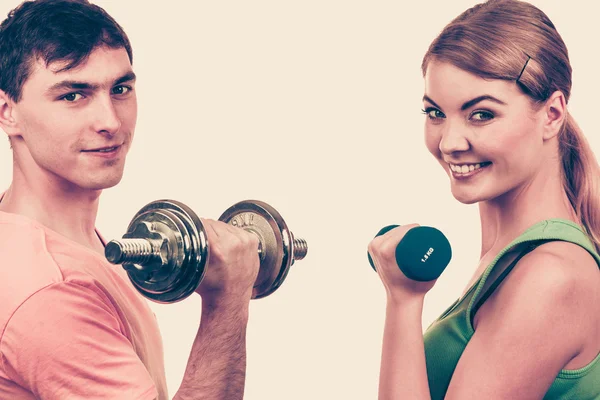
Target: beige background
(313, 107)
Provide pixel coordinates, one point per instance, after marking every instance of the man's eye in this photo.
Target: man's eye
(71, 97)
(121, 90)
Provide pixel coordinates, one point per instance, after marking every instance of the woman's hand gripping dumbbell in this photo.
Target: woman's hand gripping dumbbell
(409, 258)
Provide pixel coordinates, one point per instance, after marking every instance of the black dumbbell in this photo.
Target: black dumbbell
(422, 254)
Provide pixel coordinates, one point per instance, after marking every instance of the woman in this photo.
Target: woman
(497, 83)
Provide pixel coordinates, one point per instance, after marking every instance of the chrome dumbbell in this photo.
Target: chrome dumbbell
(165, 250)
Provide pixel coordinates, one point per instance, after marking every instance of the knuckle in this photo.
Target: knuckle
(216, 252)
(207, 222)
(252, 240)
(235, 242)
(373, 247)
(410, 226)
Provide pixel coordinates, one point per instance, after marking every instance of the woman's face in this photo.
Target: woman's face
(484, 133)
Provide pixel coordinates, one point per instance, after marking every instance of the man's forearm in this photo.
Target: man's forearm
(216, 368)
(403, 373)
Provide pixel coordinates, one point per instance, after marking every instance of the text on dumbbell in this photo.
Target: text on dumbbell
(242, 220)
(426, 256)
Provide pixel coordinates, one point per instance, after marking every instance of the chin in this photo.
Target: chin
(466, 199)
(468, 196)
(100, 183)
(111, 182)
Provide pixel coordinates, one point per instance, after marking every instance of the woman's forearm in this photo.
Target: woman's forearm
(403, 373)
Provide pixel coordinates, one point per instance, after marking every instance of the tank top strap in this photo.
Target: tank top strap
(493, 282)
(542, 232)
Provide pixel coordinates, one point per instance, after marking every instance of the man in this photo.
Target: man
(71, 324)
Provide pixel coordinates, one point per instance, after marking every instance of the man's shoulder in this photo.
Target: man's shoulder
(36, 261)
(24, 252)
(26, 265)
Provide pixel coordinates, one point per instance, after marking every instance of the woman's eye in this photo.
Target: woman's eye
(433, 113)
(482, 116)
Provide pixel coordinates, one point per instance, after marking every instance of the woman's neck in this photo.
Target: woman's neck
(508, 216)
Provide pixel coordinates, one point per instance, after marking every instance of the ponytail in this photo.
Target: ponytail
(581, 175)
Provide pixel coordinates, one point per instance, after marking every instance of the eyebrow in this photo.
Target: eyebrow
(78, 85)
(469, 103)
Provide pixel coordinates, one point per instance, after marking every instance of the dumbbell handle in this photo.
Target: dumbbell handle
(136, 251)
(142, 251)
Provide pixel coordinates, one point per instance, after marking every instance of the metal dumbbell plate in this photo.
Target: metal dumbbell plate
(276, 242)
(188, 248)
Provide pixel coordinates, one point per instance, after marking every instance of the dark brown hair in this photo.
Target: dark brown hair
(53, 30)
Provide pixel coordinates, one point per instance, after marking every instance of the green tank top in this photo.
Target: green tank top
(446, 338)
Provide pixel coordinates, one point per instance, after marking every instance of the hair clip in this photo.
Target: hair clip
(524, 66)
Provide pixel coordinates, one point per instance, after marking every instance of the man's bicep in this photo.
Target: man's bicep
(66, 342)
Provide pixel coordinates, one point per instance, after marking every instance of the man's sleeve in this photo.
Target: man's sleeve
(66, 342)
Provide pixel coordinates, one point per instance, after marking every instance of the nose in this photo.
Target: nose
(106, 118)
(454, 139)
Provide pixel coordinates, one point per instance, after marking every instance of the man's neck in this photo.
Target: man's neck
(69, 213)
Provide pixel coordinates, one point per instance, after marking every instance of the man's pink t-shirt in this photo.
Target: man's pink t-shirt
(72, 326)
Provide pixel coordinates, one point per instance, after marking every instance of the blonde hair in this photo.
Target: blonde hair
(514, 40)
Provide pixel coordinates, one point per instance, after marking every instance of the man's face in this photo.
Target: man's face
(76, 126)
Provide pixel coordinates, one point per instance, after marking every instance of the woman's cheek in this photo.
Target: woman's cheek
(432, 141)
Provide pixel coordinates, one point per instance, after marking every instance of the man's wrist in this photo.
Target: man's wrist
(226, 304)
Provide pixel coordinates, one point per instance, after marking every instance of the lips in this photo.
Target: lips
(467, 167)
(106, 149)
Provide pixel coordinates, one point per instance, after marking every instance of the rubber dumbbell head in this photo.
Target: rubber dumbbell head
(422, 254)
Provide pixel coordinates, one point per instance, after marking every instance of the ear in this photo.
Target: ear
(554, 114)
(8, 122)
